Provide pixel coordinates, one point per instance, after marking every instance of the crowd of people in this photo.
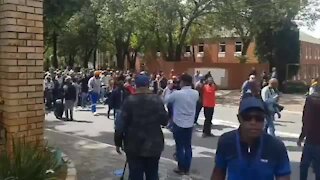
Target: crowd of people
(145, 103)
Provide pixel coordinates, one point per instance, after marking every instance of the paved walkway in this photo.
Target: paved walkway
(99, 161)
(291, 102)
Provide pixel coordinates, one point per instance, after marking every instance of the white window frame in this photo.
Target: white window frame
(222, 54)
(225, 47)
(187, 54)
(238, 43)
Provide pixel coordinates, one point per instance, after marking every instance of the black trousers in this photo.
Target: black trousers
(140, 167)
(208, 114)
(198, 110)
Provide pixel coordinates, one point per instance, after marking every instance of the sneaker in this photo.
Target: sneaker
(179, 172)
(95, 114)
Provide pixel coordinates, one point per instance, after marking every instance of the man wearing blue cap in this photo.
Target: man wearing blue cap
(139, 130)
(248, 153)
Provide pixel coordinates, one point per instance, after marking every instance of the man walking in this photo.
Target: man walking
(118, 96)
(209, 102)
(248, 153)
(184, 107)
(199, 88)
(310, 132)
(270, 96)
(139, 128)
(94, 85)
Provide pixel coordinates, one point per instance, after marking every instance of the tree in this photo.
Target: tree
(277, 36)
(56, 14)
(236, 16)
(116, 18)
(174, 21)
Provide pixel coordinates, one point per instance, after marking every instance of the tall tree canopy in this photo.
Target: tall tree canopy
(77, 29)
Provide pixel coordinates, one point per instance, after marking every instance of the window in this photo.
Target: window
(188, 48)
(222, 47)
(201, 47)
(188, 51)
(310, 53)
(238, 46)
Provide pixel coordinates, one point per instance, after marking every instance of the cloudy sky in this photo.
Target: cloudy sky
(315, 32)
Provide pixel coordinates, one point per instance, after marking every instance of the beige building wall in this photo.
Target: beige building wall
(21, 68)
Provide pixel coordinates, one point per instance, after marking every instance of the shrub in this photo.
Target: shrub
(27, 161)
(295, 87)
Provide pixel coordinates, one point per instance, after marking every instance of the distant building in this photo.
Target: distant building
(309, 58)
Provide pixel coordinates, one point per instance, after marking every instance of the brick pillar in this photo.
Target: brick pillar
(21, 68)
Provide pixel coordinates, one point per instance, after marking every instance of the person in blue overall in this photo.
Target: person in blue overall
(249, 153)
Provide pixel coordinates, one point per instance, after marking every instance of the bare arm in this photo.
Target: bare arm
(219, 174)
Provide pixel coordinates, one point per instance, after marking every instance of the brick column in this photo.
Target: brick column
(21, 68)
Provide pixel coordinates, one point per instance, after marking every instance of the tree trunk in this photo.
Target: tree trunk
(55, 49)
(95, 59)
(178, 52)
(87, 58)
(170, 56)
(132, 60)
(246, 43)
(182, 41)
(193, 54)
(71, 60)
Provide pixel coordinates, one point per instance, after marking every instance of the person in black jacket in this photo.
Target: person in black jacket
(139, 130)
(70, 95)
(118, 95)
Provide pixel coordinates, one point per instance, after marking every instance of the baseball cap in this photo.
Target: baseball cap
(142, 81)
(251, 103)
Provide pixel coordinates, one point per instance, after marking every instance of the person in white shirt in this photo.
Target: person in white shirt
(270, 96)
(94, 85)
(184, 107)
(49, 85)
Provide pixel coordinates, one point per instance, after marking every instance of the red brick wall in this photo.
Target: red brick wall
(309, 61)
(237, 73)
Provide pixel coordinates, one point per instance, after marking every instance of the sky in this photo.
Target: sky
(315, 32)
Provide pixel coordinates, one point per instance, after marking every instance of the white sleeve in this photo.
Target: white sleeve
(90, 84)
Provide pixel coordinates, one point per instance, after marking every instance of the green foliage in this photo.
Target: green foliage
(27, 161)
(75, 29)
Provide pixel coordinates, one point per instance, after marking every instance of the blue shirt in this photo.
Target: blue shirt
(274, 161)
(184, 104)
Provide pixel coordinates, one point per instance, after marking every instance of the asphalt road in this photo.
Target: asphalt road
(100, 129)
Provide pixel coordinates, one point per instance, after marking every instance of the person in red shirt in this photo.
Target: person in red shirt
(209, 103)
(128, 85)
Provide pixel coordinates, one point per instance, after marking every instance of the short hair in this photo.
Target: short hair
(252, 77)
(273, 80)
(186, 78)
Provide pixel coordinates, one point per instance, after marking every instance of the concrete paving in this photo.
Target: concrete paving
(88, 141)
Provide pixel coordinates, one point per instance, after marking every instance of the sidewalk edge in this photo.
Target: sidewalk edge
(71, 171)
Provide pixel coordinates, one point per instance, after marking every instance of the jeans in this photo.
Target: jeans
(140, 166)
(270, 129)
(208, 114)
(182, 137)
(118, 124)
(198, 110)
(310, 154)
(84, 99)
(94, 98)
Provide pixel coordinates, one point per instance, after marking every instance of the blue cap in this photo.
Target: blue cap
(251, 103)
(142, 81)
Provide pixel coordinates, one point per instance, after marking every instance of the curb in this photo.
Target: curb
(71, 171)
